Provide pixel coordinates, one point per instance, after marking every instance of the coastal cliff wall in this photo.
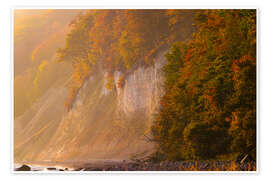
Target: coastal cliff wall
(103, 124)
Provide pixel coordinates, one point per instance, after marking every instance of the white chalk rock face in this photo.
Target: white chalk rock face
(142, 89)
(102, 124)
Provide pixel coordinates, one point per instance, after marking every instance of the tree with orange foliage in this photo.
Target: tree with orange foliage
(209, 108)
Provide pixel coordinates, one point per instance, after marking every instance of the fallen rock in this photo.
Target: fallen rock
(24, 168)
(77, 169)
(51, 168)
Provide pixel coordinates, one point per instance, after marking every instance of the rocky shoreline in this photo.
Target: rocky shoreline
(150, 166)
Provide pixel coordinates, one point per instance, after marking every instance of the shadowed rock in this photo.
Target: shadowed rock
(24, 168)
(51, 168)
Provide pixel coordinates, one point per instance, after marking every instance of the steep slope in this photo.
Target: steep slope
(102, 124)
(114, 90)
(37, 36)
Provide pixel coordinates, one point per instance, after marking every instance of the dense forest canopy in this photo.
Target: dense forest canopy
(209, 109)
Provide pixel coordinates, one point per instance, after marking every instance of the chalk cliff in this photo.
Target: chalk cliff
(102, 124)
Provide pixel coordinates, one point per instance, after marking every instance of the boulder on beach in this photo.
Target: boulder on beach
(23, 168)
(51, 169)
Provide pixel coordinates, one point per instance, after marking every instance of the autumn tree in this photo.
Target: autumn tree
(209, 108)
(115, 40)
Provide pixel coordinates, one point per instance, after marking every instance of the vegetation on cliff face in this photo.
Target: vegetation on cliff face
(37, 35)
(119, 40)
(209, 109)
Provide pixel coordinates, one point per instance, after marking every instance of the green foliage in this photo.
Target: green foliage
(175, 61)
(77, 43)
(120, 39)
(204, 141)
(209, 108)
